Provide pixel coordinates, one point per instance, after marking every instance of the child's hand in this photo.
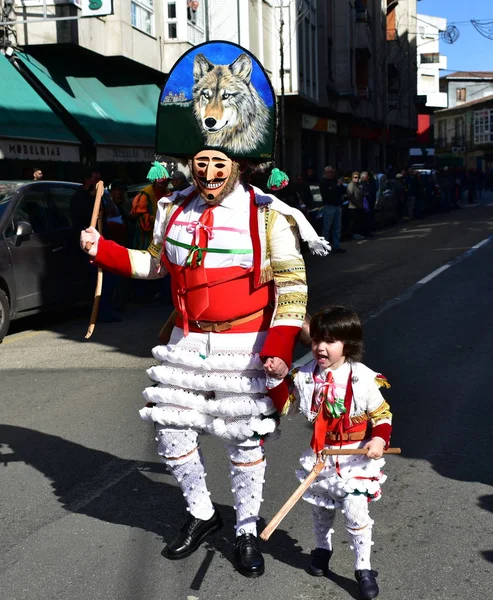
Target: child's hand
(375, 448)
(276, 367)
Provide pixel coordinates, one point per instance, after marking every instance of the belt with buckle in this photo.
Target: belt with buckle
(220, 326)
(346, 437)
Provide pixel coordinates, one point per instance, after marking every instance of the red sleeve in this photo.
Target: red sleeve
(279, 395)
(113, 257)
(280, 342)
(382, 431)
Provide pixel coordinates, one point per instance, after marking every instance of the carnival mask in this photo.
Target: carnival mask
(215, 175)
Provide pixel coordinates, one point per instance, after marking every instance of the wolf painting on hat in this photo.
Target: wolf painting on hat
(238, 286)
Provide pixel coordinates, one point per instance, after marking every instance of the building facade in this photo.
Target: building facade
(466, 86)
(429, 64)
(464, 135)
(344, 72)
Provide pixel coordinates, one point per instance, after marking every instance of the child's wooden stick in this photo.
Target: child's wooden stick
(291, 501)
(346, 451)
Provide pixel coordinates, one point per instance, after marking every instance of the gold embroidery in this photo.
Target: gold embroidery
(293, 298)
(287, 266)
(381, 413)
(381, 381)
(154, 249)
(266, 274)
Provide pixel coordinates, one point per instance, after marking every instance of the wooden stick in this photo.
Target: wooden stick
(348, 451)
(96, 208)
(291, 501)
(96, 219)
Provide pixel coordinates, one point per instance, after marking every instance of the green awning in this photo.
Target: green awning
(112, 110)
(23, 114)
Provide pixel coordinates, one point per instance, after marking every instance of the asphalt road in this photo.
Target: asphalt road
(86, 507)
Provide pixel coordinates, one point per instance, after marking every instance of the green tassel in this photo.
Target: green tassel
(157, 171)
(277, 180)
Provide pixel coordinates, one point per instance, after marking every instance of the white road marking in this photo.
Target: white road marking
(408, 293)
(434, 274)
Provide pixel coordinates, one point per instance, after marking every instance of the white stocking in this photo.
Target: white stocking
(247, 479)
(359, 527)
(183, 457)
(323, 520)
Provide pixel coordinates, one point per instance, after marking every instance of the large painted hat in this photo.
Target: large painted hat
(217, 96)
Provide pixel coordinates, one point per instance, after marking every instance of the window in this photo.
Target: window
(192, 10)
(362, 71)
(483, 126)
(460, 94)
(430, 57)
(143, 15)
(172, 22)
(195, 21)
(32, 209)
(442, 132)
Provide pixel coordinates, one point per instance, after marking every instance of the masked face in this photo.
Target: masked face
(215, 175)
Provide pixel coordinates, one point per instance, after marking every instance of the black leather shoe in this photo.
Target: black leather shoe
(249, 559)
(367, 581)
(320, 562)
(191, 536)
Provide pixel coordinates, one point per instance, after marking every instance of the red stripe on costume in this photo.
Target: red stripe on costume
(280, 342)
(257, 250)
(382, 431)
(113, 257)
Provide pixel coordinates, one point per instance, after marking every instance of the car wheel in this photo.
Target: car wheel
(4, 314)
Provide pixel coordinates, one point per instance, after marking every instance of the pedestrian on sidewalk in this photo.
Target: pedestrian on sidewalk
(332, 191)
(340, 396)
(354, 195)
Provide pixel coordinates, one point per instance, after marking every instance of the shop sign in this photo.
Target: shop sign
(124, 154)
(318, 124)
(39, 151)
(96, 8)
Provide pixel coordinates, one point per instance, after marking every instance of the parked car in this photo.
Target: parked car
(41, 264)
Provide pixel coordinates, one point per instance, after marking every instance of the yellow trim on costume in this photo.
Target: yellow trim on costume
(154, 249)
(381, 381)
(288, 266)
(381, 413)
(359, 419)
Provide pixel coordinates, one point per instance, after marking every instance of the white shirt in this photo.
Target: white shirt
(232, 213)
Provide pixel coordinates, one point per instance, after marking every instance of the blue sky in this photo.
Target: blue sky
(472, 51)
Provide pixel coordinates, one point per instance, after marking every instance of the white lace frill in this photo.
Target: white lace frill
(211, 382)
(330, 487)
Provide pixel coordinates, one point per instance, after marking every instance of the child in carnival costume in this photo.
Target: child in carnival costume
(341, 397)
(219, 240)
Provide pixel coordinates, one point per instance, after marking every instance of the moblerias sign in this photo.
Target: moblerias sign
(124, 154)
(96, 8)
(39, 151)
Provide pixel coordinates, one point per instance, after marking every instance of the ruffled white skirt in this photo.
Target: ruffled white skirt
(211, 382)
(342, 475)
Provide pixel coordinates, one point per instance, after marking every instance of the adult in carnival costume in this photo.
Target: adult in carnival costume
(238, 287)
